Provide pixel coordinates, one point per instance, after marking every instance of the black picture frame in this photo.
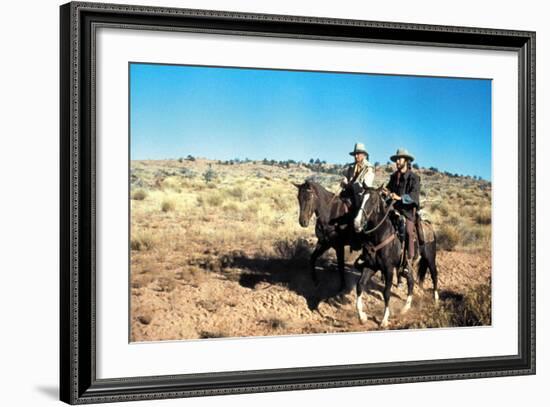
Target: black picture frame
(78, 382)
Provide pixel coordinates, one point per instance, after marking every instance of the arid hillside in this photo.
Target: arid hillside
(217, 251)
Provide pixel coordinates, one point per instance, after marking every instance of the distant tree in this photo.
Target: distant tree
(311, 160)
(317, 161)
(416, 166)
(434, 169)
(388, 162)
(180, 159)
(190, 158)
(209, 174)
(377, 164)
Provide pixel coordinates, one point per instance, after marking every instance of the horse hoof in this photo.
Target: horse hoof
(384, 324)
(363, 318)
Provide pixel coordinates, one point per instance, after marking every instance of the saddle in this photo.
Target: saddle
(399, 222)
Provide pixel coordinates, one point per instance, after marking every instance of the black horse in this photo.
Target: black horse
(382, 250)
(330, 230)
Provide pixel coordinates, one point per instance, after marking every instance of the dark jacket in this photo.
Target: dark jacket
(407, 186)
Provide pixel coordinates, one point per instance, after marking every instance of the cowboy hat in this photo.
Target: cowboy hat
(402, 152)
(359, 148)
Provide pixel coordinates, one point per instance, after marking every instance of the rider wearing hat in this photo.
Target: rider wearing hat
(404, 189)
(357, 176)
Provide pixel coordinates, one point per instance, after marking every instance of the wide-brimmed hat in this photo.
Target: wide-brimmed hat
(402, 152)
(359, 148)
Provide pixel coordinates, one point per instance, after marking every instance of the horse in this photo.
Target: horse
(383, 251)
(330, 211)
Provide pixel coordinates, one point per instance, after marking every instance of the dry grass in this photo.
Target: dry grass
(471, 309)
(142, 240)
(448, 236)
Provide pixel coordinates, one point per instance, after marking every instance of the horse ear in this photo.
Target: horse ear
(296, 185)
(380, 188)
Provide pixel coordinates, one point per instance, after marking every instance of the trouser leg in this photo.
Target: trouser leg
(410, 238)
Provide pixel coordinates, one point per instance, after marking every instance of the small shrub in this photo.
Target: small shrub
(295, 250)
(139, 195)
(237, 192)
(168, 205)
(141, 241)
(214, 199)
(483, 217)
(230, 207)
(475, 310)
(448, 237)
(209, 174)
(472, 308)
(274, 323)
(476, 236)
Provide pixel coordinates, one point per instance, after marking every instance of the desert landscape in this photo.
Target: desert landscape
(216, 251)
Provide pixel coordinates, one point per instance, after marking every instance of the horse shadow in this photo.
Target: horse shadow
(294, 275)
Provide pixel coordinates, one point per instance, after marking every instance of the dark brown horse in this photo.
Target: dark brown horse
(331, 213)
(382, 250)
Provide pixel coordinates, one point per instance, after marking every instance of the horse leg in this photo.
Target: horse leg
(387, 294)
(360, 287)
(318, 252)
(340, 256)
(410, 288)
(433, 272)
(399, 276)
(422, 269)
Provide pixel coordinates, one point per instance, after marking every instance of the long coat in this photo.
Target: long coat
(407, 186)
(356, 184)
(365, 177)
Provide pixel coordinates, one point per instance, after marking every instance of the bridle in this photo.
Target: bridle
(367, 216)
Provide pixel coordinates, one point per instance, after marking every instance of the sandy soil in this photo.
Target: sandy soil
(251, 296)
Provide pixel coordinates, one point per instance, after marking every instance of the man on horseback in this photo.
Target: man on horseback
(357, 177)
(404, 189)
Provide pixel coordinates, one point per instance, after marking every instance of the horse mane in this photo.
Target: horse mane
(321, 191)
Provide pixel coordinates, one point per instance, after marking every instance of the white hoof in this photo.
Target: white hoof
(436, 298)
(386, 318)
(363, 317)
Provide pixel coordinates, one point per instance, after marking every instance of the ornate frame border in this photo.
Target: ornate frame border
(78, 382)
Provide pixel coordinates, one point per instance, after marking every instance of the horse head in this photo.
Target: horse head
(371, 206)
(307, 199)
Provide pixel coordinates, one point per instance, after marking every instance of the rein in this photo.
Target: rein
(390, 207)
(383, 243)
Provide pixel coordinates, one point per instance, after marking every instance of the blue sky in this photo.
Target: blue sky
(225, 113)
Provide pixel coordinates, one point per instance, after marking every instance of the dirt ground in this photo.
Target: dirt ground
(251, 297)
